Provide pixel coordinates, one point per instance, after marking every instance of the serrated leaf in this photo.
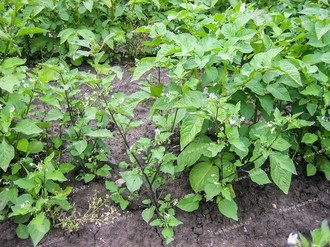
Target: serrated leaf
(38, 227)
(228, 208)
(190, 202)
(7, 153)
(191, 126)
(27, 127)
(200, 174)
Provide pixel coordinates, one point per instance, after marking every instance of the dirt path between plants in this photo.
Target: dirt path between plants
(266, 215)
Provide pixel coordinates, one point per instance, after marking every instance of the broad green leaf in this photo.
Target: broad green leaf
(191, 154)
(323, 165)
(27, 127)
(56, 176)
(192, 99)
(8, 82)
(7, 153)
(279, 91)
(12, 62)
(79, 146)
(290, 70)
(309, 138)
(280, 144)
(35, 147)
(38, 227)
(259, 176)
(200, 174)
(190, 202)
(312, 89)
(280, 176)
(311, 170)
(30, 30)
(8, 195)
(144, 65)
(53, 114)
(283, 161)
(23, 145)
(89, 177)
(168, 234)
(26, 183)
(89, 5)
(148, 213)
(212, 190)
(133, 180)
(22, 231)
(100, 133)
(228, 208)
(191, 126)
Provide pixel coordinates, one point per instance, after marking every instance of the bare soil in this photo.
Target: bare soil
(266, 215)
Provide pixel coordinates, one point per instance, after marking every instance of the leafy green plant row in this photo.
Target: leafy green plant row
(249, 88)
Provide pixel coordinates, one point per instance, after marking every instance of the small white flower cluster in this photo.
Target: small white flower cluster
(212, 96)
(293, 239)
(25, 204)
(1, 105)
(270, 125)
(157, 132)
(12, 109)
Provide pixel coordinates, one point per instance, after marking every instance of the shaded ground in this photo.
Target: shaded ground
(266, 215)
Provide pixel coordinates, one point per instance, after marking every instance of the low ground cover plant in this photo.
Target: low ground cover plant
(248, 90)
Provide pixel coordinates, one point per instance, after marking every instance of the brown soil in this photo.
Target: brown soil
(266, 215)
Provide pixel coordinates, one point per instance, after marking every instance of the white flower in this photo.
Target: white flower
(121, 101)
(25, 85)
(272, 130)
(212, 96)
(1, 105)
(157, 132)
(12, 109)
(101, 151)
(269, 124)
(232, 121)
(293, 239)
(242, 119)
(23, 205)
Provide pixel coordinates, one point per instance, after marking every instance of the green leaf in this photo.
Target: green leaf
(309, 138)
(89, 177)
(56, 176)
(190, 202)
(38, 227)
(283, 161)
(191, 99)
(100, 133)
(133, 180)
(259, 176)
(35, 147)
(30, 30)
(279, 91)
(79, 146)
(212, 190)
(26, 183)
(281, 177)
(23, 145)
(191, 126)
(27, 127)
(148, 213)
(311, 170)
(228, 208)
(8, 82)
(89, 5)
(290, 70)
(7, 153)
(280, 144)
(201, 173)
(22, 231)
(53, 114)
(168, 234)
(12, 62)
(144, 65)
(191, 154)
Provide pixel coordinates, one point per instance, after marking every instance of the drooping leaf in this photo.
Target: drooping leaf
(7, 153)
(191, 126)
(38, 227)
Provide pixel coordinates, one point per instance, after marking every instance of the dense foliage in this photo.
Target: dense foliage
(249, 89)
